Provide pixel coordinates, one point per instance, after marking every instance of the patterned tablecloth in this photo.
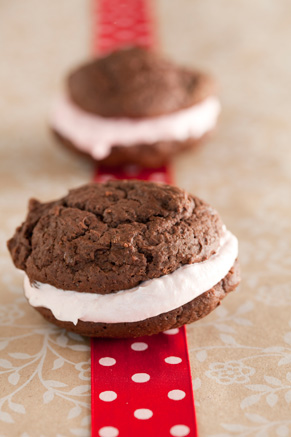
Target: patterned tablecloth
(240, 354)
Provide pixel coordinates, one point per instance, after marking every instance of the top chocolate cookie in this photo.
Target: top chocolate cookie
(103, 238)
(136, 83)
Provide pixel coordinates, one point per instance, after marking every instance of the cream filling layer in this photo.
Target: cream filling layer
(97, 135)
(149, 299)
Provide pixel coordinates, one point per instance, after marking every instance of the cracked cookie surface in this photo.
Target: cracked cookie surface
(102, 238)
(136, 83)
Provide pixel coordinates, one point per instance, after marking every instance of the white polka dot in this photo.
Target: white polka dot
(108, 431)
(179, 430)
(139, 346)
(143, 414)
(157, 177)
(176, 395)
(140, 377)
(108, 396)
(172, 331)
(106, 177)
(107, 361)
(173, 360)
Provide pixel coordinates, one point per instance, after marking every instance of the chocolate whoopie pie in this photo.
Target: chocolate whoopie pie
(125, 259)
(132, 106)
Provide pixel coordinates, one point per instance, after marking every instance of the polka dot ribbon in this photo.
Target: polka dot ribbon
(122, 23)
(142, 387)
(139, 387)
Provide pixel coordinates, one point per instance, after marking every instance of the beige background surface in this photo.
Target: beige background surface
(241, 354)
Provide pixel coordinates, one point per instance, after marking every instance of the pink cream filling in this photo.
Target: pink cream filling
(97, 135)
(148, 299)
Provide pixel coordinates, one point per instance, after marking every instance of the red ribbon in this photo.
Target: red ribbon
(142, 387)
(121, 23)
(139, 387)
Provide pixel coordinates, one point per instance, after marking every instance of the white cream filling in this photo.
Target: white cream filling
(149, 299)
(97, 135)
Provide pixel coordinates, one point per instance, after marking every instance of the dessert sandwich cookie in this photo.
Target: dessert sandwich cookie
(125, 259)
(134, 107)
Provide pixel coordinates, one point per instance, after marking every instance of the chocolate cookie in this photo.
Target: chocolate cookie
(134, 101)
(136, 83)
(124, 258)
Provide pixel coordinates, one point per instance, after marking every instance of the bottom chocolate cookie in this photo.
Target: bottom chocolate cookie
(188, 313)
(147, 155)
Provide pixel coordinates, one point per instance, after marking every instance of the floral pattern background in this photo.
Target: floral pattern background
(241, 353)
